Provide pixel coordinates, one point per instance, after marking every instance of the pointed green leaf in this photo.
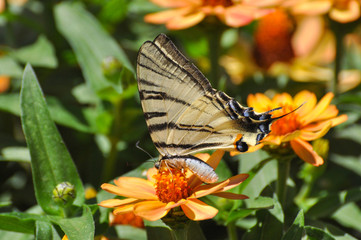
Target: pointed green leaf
(19, 222)
(296, 230)
(81, 227)
(40, 54)
(51, 161)
(349, 215)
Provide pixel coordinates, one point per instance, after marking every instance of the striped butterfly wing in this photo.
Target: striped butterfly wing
(183, 112)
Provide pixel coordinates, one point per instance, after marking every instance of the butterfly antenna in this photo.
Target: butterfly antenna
(274, 119)
(140, 148)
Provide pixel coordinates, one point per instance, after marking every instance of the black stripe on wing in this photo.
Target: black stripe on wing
(183, 127)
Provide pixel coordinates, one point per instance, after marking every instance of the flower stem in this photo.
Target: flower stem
(180, 232)
(283, 167)
(232, 231)
(214, 51)
(110, 161)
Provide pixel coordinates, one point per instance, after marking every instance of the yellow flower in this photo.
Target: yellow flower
(310, 122)
(152, 199)
(187, 13)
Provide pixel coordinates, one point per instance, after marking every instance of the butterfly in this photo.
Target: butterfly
(184, 114)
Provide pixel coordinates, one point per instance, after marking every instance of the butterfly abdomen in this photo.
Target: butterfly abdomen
(198, 167)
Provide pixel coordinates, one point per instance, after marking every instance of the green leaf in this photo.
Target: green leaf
(15, 235)
(351, 163)
(81, 227)
(19, 222)
(349, 215)
(9, 67)
(260, 203)
(327, 205)
(296, 230)
(317, 234)
(44, 230)
(60, 113)
(40, 54)
(130, 232)
(89, 41)
(51, 161)
(262, 172)
(19, 154)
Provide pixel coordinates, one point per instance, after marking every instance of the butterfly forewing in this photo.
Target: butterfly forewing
(184, 114)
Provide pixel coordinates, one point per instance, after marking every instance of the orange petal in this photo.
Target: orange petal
(171, 3)
(110, 203)
(207, 189)
(185, 21)
(282, 99)
(312, 7)
(340, 119)
(305, 151)
(238, 15)
(123, 209)
(330, 112)
(259, 102)
(320, 107)
(308, 100)
(131, 190)
(151, 210)
(165, 16)
(150, 173)
(235, 181)
(230, 195)
(197, 210)
(350, 14)
(309, 136)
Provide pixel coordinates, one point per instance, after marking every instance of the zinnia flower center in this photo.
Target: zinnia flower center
(171, 185)
(287, 124)
(213, 3)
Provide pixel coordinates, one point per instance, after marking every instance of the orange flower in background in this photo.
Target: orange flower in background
(11, 2)
(311, 121)
(342, 11)
(187, 13)
(168, 188)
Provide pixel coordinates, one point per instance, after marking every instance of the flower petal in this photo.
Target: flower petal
(312, 135)
(151, 210)
(316, 7)
(207, 189)
(171, 3)
(165, 16)
(185, 21)
(320, 107)
(259, 102)
(235, 181)
(230, 195)
(308, 99)
(238, 15)
(197, 210)
(135, 188)
(282, 99)
(350, 14)
(150, 174)
(305, 151)
(110, 203)
(123, 209)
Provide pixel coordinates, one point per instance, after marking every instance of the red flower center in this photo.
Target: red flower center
(287, 124)
(171, 185)
(213, 3)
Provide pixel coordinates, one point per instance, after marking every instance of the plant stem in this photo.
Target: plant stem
(283, 167)
(110, 161)
(214, 38)
(180, 233)
(232, 231)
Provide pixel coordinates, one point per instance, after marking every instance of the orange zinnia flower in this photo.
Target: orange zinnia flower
(152, 199)
(342, 11)
(187, 13)
(310, 122)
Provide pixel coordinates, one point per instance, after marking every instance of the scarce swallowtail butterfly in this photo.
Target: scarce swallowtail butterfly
(184, 114)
